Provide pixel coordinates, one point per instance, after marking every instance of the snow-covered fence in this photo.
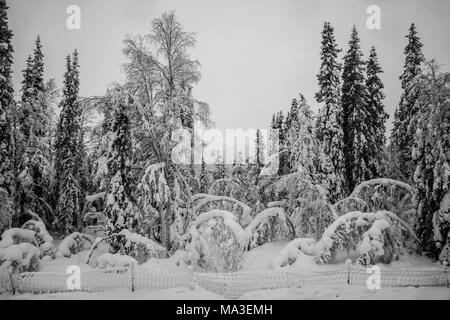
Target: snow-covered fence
(403, 277)
(91, 281)
(146, 278)
(234, 284)
(229, 285)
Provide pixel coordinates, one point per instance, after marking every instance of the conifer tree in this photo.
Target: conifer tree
(260, 147)
(32, 147)
(300, 137)
(67, 179)
(7, 181)
(355, 113)
(278, 143)
(401, 138)
(329, 128)
(203, 178)
(377, 118)
(220, 171)
(119, 208)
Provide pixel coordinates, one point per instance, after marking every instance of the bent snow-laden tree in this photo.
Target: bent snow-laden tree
(271, 224)
(238, 208)
(242, 185)
(371, 237)
(305, 203)
(350, 204)
(387, 194)
(216, 242)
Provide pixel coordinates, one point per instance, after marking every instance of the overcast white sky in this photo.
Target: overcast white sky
(256, 55)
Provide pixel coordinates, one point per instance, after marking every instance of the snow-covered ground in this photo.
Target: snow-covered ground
(257, 259)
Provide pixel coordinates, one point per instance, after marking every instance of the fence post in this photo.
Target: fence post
(191, 275)
(348, 262)
(445, 263)
(11, 279)
(132, 271)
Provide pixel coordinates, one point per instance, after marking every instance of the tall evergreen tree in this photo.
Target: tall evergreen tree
(278, 142)
(401, 138)
(6, 101)
(220, 171)
(67, 180)
(32, 147)
(300, 137)
(355, 113)
(377, 118)
(203, 178)
(119, 208)
(259, 152)
(28, 95)
(329, 121)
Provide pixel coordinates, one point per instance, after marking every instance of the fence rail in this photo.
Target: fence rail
(229, 285)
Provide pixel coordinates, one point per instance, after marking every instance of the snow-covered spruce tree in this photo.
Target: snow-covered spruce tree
(259, 151)
(220, 171)
(329, 129)
(204, 180)
(279, 146)
(6, 210)
(401, 138)
(355, 113)
(300, 138)
(67, 175)
(377, 118)
(32, 146)
(431, 151)
(119, 209)
(28, 93)
(7, 180)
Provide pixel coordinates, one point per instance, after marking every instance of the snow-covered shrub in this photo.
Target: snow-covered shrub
(5, 279)
(17, 236)
(43, 238)
(139, 247)
(269, 225)
(373, 236)
(72, 244)
(388, 194)
(445, 253)
(441, 224)
(20, 257)
(350, 204)
(109, 260)
(290, 253)
(6, 211)
(216, 242)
